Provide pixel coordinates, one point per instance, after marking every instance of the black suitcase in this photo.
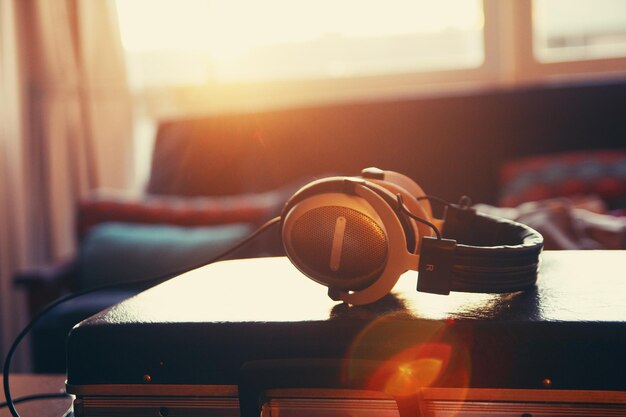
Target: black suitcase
(250, 337)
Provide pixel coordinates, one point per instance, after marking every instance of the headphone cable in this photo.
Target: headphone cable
(464, 201)
(408, 212)
(142, 284)
(432, 198)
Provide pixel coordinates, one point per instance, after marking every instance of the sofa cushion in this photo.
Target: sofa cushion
(125, 252)
(568, 174)
(111, 206)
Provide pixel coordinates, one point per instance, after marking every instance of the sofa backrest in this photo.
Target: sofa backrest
(451, 145)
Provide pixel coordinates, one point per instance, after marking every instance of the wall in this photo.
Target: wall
(451, 145)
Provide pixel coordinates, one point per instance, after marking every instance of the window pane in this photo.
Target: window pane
(194, 41)
(566, 30)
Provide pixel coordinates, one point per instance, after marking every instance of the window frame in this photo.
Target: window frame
(518, 64)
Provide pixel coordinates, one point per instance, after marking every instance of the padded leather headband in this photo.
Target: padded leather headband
(492, 254)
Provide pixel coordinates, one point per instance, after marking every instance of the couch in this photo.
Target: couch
(213, 179)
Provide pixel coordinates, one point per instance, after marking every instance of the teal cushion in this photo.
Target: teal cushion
(125, 252)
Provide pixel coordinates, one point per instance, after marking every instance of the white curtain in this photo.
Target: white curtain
(64, 130)
(13, 207)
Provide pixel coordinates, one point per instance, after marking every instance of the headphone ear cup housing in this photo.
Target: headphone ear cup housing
(344, 233)
(337, 240)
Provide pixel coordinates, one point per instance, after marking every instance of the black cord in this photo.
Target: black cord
(464, 201)
(142, 284)
(433, 198)
(406, 211)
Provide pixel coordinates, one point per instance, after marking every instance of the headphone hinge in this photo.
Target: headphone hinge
(435, 266)
(459, 223)
(349, 185)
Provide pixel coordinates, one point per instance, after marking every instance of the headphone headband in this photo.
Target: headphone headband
(479, 253)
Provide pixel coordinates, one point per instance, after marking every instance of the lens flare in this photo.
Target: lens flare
(412, 369)
(410, 355)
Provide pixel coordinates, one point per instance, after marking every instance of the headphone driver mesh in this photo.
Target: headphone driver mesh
(363, 247)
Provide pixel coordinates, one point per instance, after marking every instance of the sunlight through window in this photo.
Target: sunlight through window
(202, 42)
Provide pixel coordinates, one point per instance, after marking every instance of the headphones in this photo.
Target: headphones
(357, 235)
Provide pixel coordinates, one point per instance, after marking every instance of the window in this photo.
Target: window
(222, 55)
(568, 30)
(226, 41)
(202, 56)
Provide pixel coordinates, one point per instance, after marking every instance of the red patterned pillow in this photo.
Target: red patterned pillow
(181, 211)
(601, 173)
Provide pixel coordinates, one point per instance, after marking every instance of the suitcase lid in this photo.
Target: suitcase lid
(203, 326)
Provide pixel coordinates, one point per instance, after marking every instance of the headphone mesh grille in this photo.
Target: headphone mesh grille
(363, 254)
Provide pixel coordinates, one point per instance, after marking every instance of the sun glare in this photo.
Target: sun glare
(148, 25)
(243, 33)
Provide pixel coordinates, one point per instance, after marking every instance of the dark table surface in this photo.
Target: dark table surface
(571, 286)
(30, 384)
(200, 327)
